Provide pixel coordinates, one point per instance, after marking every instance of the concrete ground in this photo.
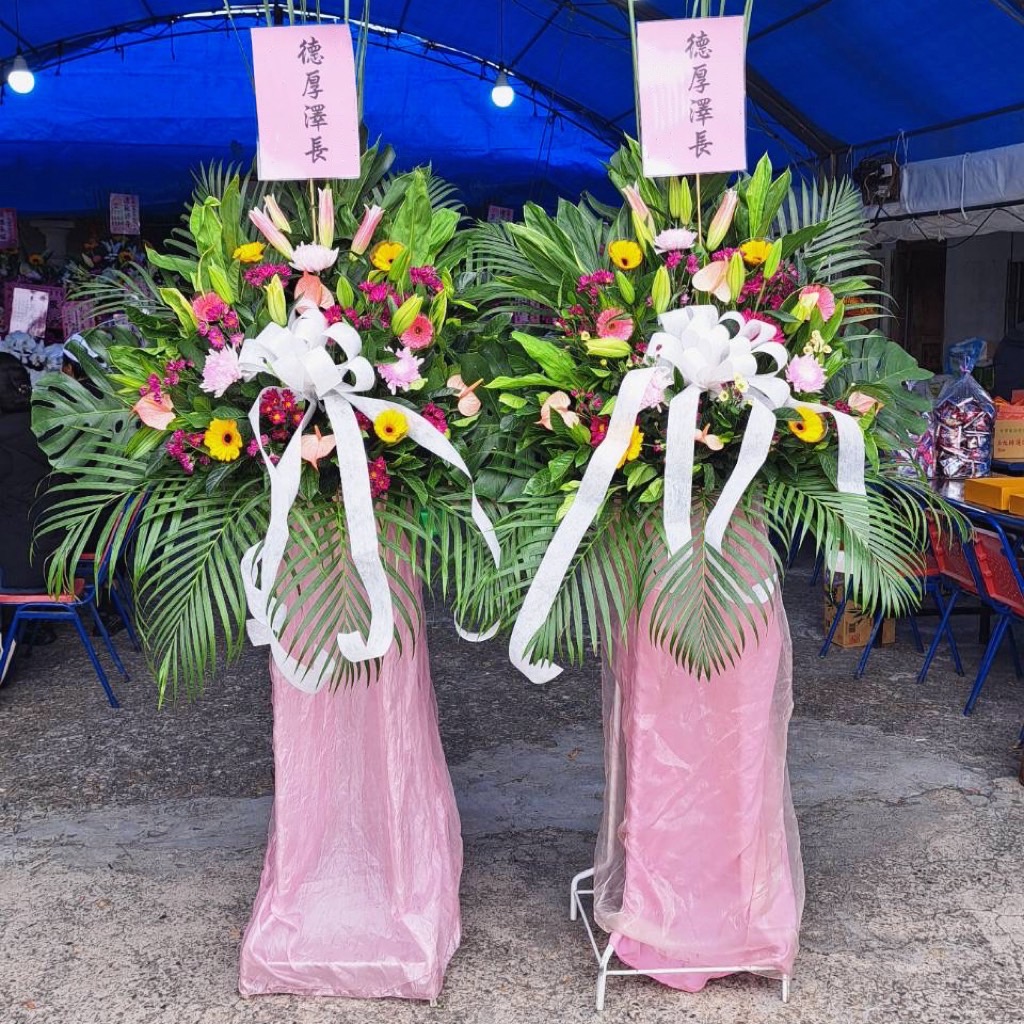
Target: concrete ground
(131, 843)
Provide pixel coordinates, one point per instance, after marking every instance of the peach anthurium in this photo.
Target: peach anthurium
(713, 279)
(155, 414)
(468, 404)
(317, 446)
(557, 401)
(310, 287)
(713, 441)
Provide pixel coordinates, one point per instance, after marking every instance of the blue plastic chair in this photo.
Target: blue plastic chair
(31, 607)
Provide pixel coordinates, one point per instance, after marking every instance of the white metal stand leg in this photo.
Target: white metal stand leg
(578, 912)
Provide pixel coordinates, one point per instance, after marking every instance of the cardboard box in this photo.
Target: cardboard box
(1008, 442)
(993, 491)
(855, 627)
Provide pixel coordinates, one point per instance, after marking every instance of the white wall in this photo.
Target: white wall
(976, 270)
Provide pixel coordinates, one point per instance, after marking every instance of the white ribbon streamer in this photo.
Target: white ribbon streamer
(697, 344)
(297, 356)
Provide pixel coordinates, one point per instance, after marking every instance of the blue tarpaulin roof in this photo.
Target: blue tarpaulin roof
(132, 93)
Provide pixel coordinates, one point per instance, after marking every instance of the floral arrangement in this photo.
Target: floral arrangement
(708, 365)
(293, 367)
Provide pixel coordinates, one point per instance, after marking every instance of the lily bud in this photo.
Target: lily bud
(272, 233)
(405, 314)
(346, 297)
(661, 290)
(722, 220)
(221, 284)
(736, 275)
(362, 238)
(608, 348)
(638, 206)
(626, 289)
(276, 305)
(275, 214)
(326, 217)
(773, 259)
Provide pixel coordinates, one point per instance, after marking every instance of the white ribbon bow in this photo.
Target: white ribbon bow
(696, 343)
(297, 356)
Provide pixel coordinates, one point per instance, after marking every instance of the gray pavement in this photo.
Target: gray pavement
(131, 844)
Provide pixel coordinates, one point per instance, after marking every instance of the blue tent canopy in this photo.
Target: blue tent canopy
(130, 94)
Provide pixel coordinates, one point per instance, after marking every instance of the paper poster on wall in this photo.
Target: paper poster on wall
(124, 214)
(692, 89)
(77, 316)
(500, 213)
(306, 111)
(8, 228)
(28, 311)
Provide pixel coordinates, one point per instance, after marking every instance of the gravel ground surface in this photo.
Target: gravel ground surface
(131, 843)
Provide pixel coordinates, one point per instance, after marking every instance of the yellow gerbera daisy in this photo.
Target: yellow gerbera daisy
(36, 259)
(625, 254)
(810, 427)
(755, 252)
(636, 442)
(391, 426)
(383, 254)
(250, 252)
(223, 440)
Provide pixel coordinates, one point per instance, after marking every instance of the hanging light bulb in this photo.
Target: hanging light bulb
(502, 94)
(19, 77)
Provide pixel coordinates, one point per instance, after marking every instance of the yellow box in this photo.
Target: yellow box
(993, 491)
(1016, 505)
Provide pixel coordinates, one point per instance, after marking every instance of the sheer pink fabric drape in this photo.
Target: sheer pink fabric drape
(698, 855)
(359, 894)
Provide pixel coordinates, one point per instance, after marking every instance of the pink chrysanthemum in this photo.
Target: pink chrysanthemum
(400, 375)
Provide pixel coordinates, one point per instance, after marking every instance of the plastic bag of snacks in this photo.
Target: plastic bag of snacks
(962, 425)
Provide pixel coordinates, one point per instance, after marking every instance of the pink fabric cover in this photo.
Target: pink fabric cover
(698, 855)
(359, 895)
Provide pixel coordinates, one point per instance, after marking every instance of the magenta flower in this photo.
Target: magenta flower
(209, 308)
(400, 375)
(419, 334)
(598, 429)
(426, 276)
(380, 481)
(435, 416)
(805, 374)
(220, 371)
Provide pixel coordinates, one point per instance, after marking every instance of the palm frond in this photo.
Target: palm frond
(839, 255)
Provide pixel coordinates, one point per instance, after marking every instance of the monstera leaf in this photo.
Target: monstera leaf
(73, 423)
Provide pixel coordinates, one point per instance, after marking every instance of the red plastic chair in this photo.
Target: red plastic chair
(1004, 590)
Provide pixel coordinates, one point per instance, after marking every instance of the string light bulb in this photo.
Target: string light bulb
(19, 77)
(502, 94)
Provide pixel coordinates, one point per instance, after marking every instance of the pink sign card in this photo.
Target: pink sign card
(124, 214)
(306, 108)
(8, 228)
(692, 88)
